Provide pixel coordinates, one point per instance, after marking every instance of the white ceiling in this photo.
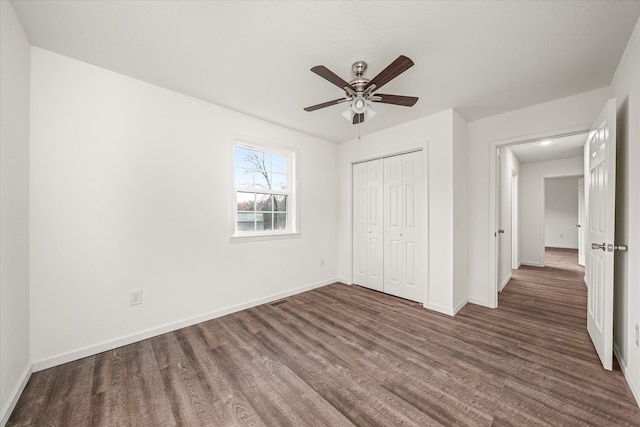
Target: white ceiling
(479, 57)
(559, 148)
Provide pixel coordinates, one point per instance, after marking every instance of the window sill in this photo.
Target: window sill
(262, 237)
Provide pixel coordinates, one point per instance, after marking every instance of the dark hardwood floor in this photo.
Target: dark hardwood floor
(344, 355)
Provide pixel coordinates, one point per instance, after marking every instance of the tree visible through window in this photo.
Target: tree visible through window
(262, 190)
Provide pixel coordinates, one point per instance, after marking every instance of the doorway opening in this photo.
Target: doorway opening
(521, 170)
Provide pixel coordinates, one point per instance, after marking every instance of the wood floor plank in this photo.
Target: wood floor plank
(146, 397)
(71, 397)
(345, 355)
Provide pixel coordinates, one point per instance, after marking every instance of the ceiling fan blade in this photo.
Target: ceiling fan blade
(405, 101)
(329, 75)
(393, 70)
(325, 104)
(358, 118)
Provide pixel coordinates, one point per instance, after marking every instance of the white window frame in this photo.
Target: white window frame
(292, 230)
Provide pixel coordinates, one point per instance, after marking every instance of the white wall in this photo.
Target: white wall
(460, 211)
(131, 188)
(435, 135)
(532, 203)
(626, 88)
(561, 212)
(543, 120)
(15, 363)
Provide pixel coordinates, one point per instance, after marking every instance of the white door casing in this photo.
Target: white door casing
(582, 220)
(515, 223)
(601, 222)
(498, 225)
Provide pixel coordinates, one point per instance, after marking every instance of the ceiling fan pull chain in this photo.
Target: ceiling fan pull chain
(359, 124)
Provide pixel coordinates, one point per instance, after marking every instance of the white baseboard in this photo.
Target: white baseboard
(504, 282)
(635, 389)
(60, 359)
(481, 302)
(440, 309)
(15, 395)
(459, 306)
(532, 264)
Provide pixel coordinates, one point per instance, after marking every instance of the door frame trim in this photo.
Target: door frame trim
(492, 300)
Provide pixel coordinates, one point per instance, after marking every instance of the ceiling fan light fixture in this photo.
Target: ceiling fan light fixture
(359, 104)
(370, 113)
(348, 114)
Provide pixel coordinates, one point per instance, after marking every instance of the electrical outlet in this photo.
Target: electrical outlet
(637, 335)
(135, 297)
(321, 262)
(561, 236)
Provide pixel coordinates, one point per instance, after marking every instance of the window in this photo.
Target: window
(264, 191)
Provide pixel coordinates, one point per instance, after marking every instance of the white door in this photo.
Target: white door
(360, 176)
(404, 252)
(393, 226)
(602, 186)
(368, 224)
(414, 251)
(376, 224)
(582, 220)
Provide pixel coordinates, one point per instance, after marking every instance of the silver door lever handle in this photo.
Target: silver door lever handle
(597, 246)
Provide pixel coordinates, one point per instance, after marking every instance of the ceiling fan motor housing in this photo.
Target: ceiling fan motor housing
(359, 68)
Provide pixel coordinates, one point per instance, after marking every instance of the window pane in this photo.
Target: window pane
(244, 178)
(260, 180)
(259, 221)
(267, 218)
(280, 203)
(279, 182)
(279, 164)
(246, 221)
(280, 221)
(244, 158)
(264, 202)
(245, 201)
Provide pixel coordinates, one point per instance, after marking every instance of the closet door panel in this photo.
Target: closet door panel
(375, 225)
(360, 223)
(393, 219)
(415, 261)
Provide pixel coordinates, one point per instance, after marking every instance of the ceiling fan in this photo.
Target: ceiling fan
(360, 92)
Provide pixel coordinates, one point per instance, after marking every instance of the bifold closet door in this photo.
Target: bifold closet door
(404, 253)
(368, 224)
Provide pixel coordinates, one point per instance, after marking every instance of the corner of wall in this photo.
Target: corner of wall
(14, 396)
(15, 72)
